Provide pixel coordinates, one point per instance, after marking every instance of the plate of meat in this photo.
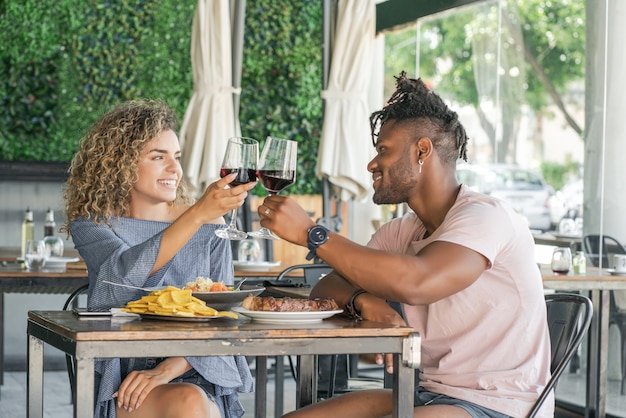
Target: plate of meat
(272, 310)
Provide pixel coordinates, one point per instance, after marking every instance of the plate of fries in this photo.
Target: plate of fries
(175, 304)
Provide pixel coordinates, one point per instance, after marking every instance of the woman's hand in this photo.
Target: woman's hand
(218, 200)
(139, 383)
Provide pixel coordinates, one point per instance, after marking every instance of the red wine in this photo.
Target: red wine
(276, 180)
(243, 175)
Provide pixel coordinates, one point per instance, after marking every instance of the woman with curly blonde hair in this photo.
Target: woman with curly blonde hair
(133, 222)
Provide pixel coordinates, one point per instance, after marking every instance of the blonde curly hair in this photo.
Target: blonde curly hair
(104, 169)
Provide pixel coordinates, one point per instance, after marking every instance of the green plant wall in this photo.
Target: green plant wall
(65, 62)
(282, 80)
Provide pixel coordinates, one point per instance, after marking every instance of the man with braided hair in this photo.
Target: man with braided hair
(461, 265)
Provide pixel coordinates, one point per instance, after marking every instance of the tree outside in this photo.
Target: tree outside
(516, 67)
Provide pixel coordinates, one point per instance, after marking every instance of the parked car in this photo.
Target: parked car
(524, 189)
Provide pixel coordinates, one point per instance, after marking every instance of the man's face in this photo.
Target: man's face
(391, 168)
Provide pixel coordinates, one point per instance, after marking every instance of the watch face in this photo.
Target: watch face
(318, 235)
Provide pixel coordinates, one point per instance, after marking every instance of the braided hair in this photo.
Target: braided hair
(414, 103)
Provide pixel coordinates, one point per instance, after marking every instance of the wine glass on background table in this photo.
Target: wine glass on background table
(241, 157)
(276, 170)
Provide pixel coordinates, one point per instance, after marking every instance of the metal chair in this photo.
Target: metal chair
(71, 303)
(617, 313)
(311, 273)
(569, 317)
(348, 364)
(597, 250)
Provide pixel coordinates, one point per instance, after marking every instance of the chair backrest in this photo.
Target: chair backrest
(569, 317)
(70, 303)
(73, 297)
(596, 249)
(312, 273)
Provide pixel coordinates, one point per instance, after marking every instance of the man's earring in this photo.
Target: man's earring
(421, 163)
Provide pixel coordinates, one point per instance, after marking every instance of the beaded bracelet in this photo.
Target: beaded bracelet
(352, 310)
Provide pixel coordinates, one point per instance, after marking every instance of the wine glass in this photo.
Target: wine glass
(561, 260)
(241, 157)
(277, 170)
(36, 255)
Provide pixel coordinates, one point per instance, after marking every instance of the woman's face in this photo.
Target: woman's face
(159, 171)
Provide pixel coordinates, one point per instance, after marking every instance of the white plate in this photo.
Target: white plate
(255, 265)
(613, 272)
(286, 317)
(56, 262)
(60, 261)
(226, 300)
(182, 318)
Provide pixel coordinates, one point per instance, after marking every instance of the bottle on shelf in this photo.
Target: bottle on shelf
(28, 229)
(50, 226)
(54, 244)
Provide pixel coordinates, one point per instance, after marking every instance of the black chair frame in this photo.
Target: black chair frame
(569, 316)
(617, 315)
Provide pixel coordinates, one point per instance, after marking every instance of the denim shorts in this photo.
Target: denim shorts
(423, 398)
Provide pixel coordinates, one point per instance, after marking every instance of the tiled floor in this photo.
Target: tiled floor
(571, 389)
(57, 395)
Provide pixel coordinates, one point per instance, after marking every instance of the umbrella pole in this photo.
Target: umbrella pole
(329, 13)
(237, 57)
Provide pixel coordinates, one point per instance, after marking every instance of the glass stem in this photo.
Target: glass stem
(233, 220)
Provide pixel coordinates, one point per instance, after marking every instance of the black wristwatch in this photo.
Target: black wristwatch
(318, 235)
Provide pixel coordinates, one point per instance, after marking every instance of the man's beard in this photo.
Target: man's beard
(395, 185)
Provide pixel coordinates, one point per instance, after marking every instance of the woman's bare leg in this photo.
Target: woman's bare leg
(174, 400)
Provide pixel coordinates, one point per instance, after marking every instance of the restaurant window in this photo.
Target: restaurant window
(514, 71)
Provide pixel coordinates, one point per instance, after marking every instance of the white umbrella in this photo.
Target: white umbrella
(209, 119)
(344, 151)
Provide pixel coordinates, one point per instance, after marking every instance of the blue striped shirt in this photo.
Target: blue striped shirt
(125, 252)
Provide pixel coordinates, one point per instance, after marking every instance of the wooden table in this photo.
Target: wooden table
(600, 283)
(574, 242)
(87, 339)
(259, 274)
(15, 279)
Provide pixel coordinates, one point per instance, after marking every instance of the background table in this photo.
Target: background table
(574, 242)
(87, 339)
(599, 282)
(13, 279)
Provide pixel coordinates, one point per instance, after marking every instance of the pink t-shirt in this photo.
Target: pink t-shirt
(489, 343)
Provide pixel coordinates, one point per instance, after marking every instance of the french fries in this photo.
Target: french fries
(173, 301)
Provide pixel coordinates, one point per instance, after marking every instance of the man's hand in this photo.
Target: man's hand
(285, 218)
(375, 309)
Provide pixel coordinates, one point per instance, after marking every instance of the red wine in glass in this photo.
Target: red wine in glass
(243, 175)
(241, 157)
(276, 170)
(276, 180)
